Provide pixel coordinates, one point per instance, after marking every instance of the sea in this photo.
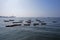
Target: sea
(50, 31)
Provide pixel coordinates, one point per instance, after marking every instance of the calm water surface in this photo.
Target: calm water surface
(51, 31)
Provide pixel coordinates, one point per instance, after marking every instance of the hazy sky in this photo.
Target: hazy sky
(30, 8)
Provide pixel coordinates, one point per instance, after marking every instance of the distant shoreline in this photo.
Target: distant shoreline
(25, 17)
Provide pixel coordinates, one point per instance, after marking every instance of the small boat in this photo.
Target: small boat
(6, 21)
(35, 24)
(26, 24)
(38, 20)
(21, 21)
(54, 21)
(13, 25)
(43, 23)
(17, 22)
(11, 20)
(28, 21)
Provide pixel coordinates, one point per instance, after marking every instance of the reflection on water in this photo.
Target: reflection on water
(51, 31)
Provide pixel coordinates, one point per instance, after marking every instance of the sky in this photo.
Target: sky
(30, 8)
